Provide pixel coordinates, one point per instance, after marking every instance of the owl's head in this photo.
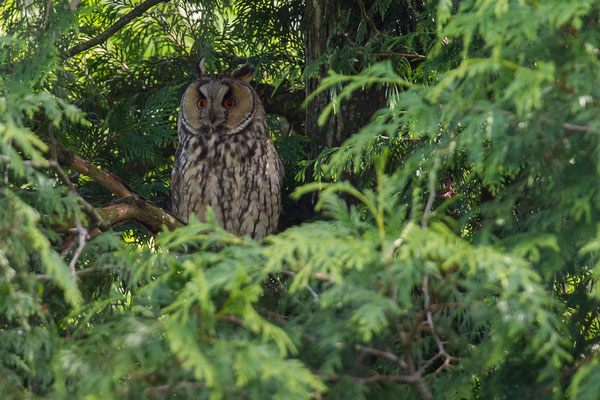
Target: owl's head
(219, 103)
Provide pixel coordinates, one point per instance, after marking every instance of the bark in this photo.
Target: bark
(129, 207)
(68, 159)
(114, 28)
(285, 102)
(321, 17)
(141, 211)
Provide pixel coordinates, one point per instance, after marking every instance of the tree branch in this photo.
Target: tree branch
(68, 159)
(141, 211)
(429, 204)
(114, 28)
(412, 378)
(381, 353)
(82, 235)
(306, 285)
(130, 207)
(135, 209)
(576, 128)
(364, 15)
(405, 55)
(44, 277)
(82, 232)
(441, 351)
(285, 101)
(168, 389)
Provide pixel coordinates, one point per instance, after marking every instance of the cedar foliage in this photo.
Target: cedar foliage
(454, 255)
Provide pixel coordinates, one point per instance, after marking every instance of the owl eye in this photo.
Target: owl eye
(229, 103)
(201, 103)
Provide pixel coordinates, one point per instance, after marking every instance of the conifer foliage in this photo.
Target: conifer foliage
(454, 253)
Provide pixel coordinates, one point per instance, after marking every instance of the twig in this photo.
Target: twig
(382, 353)
(312, 291)
(411, 378)
(576, 128)
(318, 275)
(53, 152)
(114, 28)
(406, 339)
(167, 389)
(440, 344)
(564, 87)
(306, 285)
(363, 12)
(124, 66)
(423, 367)
(165, 26)
(284, 101)
(6, 159)
(105, 141)
(406, 55)
(53, 163)
(44, 277)
(322, 277)
(131, 207)
(81, 230)
(47, 15)
(82, 235)
(429, 204)
(231, 318)
(70, 245)
(347, 37)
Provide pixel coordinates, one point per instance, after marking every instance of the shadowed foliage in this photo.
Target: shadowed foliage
(439, 234)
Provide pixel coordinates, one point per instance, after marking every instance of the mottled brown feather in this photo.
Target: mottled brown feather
(229, 164)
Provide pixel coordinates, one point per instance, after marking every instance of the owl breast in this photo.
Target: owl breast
(238, 175)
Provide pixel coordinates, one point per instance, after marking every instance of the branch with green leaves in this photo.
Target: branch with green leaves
(129, 207)
(114, 28)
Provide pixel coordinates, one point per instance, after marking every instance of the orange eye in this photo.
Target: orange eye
(229, 103)
(201, 103)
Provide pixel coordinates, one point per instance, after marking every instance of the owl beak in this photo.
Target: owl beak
(212, 117)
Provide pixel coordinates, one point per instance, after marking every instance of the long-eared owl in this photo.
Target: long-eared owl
(226, 158)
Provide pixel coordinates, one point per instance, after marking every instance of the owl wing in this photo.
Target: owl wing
(176, 206)
(275, 181)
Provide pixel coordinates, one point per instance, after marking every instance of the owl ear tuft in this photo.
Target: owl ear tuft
(245, 73)
(200, 68)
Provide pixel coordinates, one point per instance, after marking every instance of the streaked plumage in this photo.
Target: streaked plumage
(225, 157)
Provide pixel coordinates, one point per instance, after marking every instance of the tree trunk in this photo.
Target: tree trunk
(354, 113)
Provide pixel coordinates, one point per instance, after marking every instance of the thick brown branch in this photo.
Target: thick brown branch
(67, 159)
(87, 207)
(114, 28)
(134, 209)
(131, 207)
(141, 211)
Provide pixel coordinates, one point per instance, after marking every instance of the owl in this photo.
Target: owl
(225, 157)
